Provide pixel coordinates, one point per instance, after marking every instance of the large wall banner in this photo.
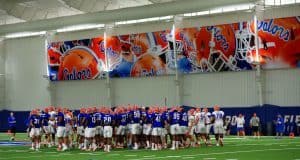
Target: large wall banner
(144, 54)
(227, 47)
(231, 47)
(77, 60)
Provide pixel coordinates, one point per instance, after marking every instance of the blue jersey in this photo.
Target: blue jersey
(45, 119)
(80, 119)
(129, 117)
(122, 119)
(11, 121)
(91, 119)
(279, 122)
(174, 118)
(107, 119)
(35, 121)
(144, 113)
(280, 125)
(157, 120)
(148, 118)
(136, 116)
(61, 116)
(144, 116)
(184, 120)
(98, 117)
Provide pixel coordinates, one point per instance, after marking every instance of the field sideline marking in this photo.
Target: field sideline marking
(219, 153)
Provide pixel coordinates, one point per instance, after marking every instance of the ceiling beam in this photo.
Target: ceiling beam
(8, 7)
(69, 5)
(154, 10)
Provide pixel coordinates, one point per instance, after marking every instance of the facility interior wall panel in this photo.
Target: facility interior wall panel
(75, 94)
(144, 91)
(2, 78)
(282, 87)
(225, 89)
(25, 65)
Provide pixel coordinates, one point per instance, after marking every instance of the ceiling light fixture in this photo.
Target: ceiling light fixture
(24, 34)
(80, 27)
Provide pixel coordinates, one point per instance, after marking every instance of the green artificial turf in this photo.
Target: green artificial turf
(266, 148)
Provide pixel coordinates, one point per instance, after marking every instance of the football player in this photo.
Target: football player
(157, 123)
(61, 130)
(201, 130)
(121, 122)
(45, 123)
(191, 127)
(108, 122)
(99, 128)
(135, 117)
(174, 127)
(240, 121)
(89, 132)
(184, 121)
(80, 128)
(208, 124)
(218, 119)
(35, 130)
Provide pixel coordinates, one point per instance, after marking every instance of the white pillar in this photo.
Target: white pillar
(178, 76)
(108, 84)
(258, 14)
(51, 88)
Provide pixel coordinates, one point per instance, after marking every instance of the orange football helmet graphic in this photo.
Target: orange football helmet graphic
(97, 45)
(139, 44)
(224, 40)
(78, 63)
(148, 65)
(53, 56)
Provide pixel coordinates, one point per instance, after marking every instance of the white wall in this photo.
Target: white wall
(144, 91)
(75, 94)
(25, 65)
(2, 78)
(226, 88)
(282, 87)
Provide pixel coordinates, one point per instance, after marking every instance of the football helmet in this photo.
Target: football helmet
(215, 48)
(148, 65)
(79, 63)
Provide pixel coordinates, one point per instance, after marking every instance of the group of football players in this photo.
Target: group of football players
(154, 127)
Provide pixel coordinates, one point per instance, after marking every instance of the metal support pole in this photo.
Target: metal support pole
(178, 76)
(258, 75)
(109, 101)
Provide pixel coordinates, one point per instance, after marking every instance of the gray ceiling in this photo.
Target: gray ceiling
(14, 11)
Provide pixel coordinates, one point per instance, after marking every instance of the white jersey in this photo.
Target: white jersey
(207, 117)
(68, 119)
(201, 118)
(191, 120)
(240, 121)
(52, 114)
(219, 115)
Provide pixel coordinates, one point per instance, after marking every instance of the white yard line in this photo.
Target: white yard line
(188, 157)
(149, 156)
(219, 153)
(173, 156)
(130, 155)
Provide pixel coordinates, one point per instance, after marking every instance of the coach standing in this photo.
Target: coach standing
(12, 126)
(254, 124)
